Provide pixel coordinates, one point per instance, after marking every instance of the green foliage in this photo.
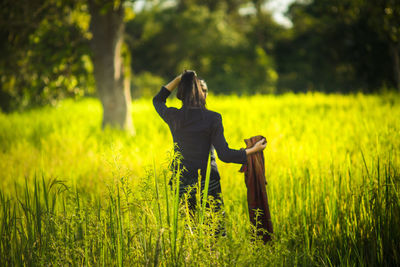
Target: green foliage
(333, 46)
(210, 39)
(236, 46)
(72, 194)
(339, 46)
(46, 56)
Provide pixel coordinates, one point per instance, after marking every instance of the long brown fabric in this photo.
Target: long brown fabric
(254, 174)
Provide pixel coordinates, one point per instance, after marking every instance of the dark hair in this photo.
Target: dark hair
(190, 91)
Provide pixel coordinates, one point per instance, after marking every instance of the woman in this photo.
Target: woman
(196, 131)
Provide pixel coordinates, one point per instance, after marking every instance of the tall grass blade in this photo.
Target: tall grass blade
(205, 190)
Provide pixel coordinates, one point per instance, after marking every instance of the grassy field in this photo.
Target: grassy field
(71, 194)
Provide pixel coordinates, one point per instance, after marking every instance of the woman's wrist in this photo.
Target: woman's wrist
(250, 150)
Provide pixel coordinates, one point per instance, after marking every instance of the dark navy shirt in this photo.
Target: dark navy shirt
(195, 132)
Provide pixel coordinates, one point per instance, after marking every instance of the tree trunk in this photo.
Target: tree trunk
(107, 28)
(395, 47)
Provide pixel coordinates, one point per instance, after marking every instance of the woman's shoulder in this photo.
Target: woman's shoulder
(215, 116)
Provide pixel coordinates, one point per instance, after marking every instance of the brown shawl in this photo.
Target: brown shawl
(254, 174)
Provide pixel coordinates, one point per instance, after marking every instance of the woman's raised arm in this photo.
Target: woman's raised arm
(174, 83)
(159, 100)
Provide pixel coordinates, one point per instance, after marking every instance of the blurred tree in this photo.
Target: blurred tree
(50, 49)
(44, 52)
(107, 26)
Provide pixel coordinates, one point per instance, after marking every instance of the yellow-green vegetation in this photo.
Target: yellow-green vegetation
(72, 194)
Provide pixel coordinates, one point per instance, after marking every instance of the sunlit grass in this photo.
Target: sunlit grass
(73, 194)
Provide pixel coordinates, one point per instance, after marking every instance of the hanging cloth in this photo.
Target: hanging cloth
(254, 175)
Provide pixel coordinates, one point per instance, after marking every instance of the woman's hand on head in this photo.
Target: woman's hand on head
(259, 146)
(174, 83)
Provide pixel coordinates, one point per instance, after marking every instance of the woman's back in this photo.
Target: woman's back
(192, 129)
(195, 131)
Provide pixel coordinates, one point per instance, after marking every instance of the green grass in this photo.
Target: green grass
(71, 194)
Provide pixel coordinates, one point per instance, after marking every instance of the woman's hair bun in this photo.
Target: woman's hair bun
(188, 74)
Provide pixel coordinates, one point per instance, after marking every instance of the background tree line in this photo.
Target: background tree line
(54, 49)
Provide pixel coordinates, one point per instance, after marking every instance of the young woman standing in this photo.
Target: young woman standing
(196, 131)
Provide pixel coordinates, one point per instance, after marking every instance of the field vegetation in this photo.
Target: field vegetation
(72, 194)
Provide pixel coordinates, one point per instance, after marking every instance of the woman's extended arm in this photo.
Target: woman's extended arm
(227, 154)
